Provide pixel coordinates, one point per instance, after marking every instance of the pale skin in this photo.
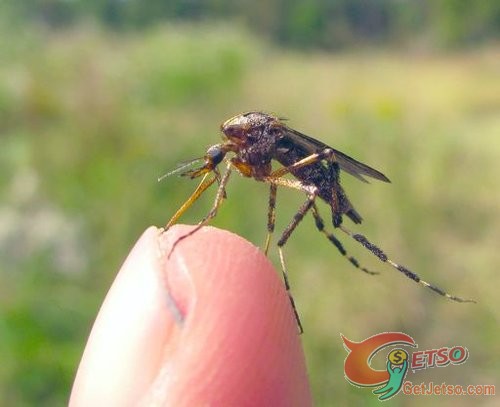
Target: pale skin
(237, 343)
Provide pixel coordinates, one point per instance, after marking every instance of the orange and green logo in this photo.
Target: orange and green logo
(358, 368)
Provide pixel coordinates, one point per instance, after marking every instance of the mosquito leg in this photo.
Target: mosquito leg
(312, 192)
(289, 292)
(408, 273)
(284, 237)
(326, 154)
(221, 192)
(271, 215)
(320, 225)
(203, 185)
(297, 219)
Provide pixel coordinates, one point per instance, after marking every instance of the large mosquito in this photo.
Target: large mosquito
(257, 138)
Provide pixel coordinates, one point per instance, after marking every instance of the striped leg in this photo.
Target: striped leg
(283, 239)
(408, 273)
(320, 224)
(271, 215)
(289, 292)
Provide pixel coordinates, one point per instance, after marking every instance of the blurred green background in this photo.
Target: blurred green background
(99, 98)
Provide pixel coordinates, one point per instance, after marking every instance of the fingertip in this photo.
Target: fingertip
(129, 333)
(239, 341)
(237, 344)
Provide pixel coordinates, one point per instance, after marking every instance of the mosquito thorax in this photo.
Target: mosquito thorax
(240, 127)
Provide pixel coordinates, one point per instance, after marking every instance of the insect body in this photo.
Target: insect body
(254, 140)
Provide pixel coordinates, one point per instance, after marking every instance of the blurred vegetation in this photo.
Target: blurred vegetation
(301, 23)
(90, 115)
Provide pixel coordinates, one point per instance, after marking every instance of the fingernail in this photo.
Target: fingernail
(176, 273)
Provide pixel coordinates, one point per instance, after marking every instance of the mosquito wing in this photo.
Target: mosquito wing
(310, 146)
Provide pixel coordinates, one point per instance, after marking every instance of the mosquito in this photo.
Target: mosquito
(253, 140)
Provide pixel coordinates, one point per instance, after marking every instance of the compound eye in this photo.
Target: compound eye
(235, 132)
(215, 154)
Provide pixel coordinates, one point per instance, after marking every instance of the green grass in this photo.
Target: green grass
(89, 120)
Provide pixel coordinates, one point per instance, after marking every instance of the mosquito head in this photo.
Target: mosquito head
(213, 157)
